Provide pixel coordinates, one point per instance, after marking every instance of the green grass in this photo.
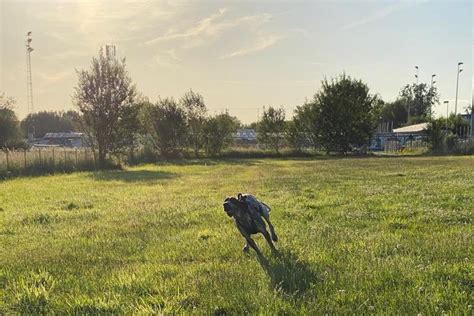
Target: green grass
(357, 235)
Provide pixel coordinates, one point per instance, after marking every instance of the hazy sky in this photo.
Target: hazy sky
(241, 55)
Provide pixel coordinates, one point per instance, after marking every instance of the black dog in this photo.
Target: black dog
(248, 212)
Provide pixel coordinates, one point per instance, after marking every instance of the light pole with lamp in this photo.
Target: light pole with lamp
(447, 115)
(457, 86)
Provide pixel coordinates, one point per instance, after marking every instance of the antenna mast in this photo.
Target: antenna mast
(29, 82)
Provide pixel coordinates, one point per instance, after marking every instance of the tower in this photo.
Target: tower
(29, 82)
(109, 51)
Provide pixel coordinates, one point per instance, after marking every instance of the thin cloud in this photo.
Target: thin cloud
(382, 13)
(167, 59)
(211, 26)
(260, 45)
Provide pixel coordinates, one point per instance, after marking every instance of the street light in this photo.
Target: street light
(432, 79)
(447, 114)
(416, 76)
(457, 86)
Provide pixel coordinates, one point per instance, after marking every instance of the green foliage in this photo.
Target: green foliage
(195, 109)
(345, 116)
(396, 112)
(420, 99)
(51, 122)
(9, 129)
(303, 129)
(271, 128)
(10, 135)
(436, 135)
(105, 97)
(167, 124)
(357, 235)
(218, 131)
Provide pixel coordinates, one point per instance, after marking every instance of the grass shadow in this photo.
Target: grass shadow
(208, 162)
(133, 175)
(288, 274)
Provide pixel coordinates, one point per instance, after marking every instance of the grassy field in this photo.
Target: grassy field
(357, 235)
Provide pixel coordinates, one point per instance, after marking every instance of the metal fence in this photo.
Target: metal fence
(54, 158)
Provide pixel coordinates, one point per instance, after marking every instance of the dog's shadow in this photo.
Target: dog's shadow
(288, 274)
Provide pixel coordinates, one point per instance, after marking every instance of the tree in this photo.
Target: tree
(420, 99)
(345, 117)
(394, 112)
(436, 134)
(51, 122)
(167, 123)
(195, 110)
(218, 132)
(271, 128)
(10, 135)
(105, 96)
(302, 130)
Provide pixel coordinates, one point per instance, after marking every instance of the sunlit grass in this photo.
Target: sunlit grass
(357, 235)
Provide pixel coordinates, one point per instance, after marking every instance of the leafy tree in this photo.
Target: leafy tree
(345, 114)
(271, 128)
(51, 122)
(302, 130)
(195, 109)
(10, 135)
(252, 125)
(394, 112)
(436, 134)
(167, 123)
(457, 125)
(218, 132)
(105, 97)
(420, 99)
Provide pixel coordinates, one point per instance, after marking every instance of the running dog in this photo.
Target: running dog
(249, 215)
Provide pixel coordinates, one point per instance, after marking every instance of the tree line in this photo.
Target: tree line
(341, 117)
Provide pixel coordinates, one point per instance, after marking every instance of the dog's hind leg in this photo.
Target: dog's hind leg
(246, 247)
(269, 240)
(266, 216)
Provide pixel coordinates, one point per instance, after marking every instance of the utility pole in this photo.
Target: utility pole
(29, 84)
(457, 86)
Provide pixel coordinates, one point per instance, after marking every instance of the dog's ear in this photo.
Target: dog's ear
(239, 196)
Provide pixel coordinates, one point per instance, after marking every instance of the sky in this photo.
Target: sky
(240, 55)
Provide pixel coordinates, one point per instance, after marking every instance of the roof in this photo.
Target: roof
(63, 135)
(416, 128)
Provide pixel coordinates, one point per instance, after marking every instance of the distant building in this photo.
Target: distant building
(68, 139)
(400, 136)
(246, 135)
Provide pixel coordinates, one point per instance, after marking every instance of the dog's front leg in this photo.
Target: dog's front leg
(250, 241)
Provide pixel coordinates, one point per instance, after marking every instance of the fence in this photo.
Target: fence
(454, 145)
(39, 160)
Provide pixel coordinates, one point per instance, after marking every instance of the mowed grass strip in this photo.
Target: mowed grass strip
(357, 235)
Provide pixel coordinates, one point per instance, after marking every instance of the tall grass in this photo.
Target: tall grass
(362, 236)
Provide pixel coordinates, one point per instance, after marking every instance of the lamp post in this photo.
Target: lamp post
(409, 101)
(457, 86)
(447, 115)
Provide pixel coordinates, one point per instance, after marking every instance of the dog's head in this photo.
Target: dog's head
(233, 206)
